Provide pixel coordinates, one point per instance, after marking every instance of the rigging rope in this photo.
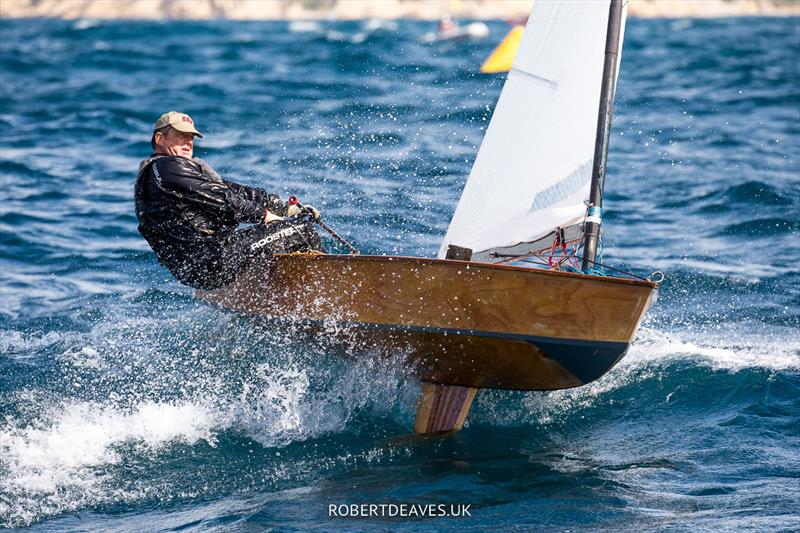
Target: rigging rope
(570, 261)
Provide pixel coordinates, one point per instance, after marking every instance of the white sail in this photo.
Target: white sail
(534, 166)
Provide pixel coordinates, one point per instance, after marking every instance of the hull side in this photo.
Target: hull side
(458, 323)
(455, 357)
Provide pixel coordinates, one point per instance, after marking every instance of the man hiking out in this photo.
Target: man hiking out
(189, 214)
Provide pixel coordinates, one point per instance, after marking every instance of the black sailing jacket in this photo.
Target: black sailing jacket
(186, 210)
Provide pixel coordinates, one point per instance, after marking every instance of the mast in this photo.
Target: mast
(594, 218)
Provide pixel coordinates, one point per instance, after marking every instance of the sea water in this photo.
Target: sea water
(127, 404)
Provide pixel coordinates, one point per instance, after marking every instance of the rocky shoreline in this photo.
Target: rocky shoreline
(365, 9)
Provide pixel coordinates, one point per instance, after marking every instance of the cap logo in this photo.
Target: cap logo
(180, 121)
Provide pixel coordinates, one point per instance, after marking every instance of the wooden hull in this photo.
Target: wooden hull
(457, 322)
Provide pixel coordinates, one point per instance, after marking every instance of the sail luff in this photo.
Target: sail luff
(604, 115)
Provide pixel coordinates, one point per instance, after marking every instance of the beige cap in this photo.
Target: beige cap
(179, 121)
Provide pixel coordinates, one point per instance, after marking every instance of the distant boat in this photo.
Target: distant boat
(450, 30)
(480, 315)
(503, 56)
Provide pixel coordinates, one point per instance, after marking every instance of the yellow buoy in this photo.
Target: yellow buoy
(503, 56)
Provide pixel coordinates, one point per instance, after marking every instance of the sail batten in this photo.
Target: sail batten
(533, 169)
(527, 71)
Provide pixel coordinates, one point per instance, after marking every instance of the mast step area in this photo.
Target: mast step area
(443, 408)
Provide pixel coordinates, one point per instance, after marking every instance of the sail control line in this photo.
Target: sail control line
(294, 201)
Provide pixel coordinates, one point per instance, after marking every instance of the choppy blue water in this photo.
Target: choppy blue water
(126, 404)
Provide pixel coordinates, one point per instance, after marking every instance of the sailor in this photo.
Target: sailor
(447, 24)
(189, 214)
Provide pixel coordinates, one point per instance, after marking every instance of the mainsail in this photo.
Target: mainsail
(534, 167)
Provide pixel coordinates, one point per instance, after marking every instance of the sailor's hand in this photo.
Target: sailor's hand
(296, 209)
(269, 217)
(313, 210)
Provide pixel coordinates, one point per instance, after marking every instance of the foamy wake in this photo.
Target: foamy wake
(64, 460)
(653, 352)
(65, 455)
(55, 463)
(61, 455)
(12, 341)
(721, 352)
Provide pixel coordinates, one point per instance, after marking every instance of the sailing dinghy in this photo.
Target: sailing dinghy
(481, 315)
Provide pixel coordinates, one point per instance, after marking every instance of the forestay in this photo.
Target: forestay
(533, 169)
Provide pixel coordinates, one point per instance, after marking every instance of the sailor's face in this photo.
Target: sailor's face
(175, 143)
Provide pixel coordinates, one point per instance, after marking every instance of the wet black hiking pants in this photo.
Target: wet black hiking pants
(216, 263)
